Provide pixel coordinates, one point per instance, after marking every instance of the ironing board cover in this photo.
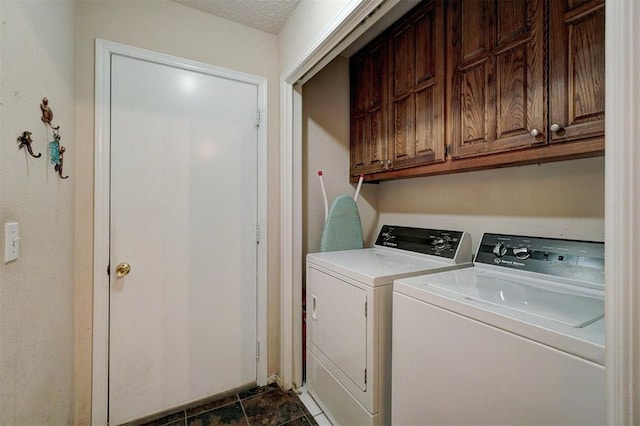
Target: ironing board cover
(342, 230)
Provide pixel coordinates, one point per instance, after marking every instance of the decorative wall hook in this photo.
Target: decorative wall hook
(47, 114)
(26, 141)
(58, 167)
(56, 152)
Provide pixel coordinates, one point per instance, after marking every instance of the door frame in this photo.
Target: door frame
(622, 173)
(103, 51)
(351, 22)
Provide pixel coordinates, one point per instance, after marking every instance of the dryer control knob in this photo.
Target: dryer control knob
(439, 243)
(521, 253)
(500, 249)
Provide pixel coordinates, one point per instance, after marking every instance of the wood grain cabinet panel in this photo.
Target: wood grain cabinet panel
(368, 146)
(496, 69)
(460, 85)
(417, 95)
(397, 95)
(576, 64)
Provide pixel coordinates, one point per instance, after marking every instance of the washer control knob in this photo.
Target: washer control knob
(521, 253)
(439, 243)
(500, 249)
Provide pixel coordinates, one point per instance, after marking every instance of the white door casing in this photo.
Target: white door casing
(107, 55)
(622, 205)
(355, 18)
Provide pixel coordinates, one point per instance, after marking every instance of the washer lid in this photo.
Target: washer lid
(552, 300)
(379, 266)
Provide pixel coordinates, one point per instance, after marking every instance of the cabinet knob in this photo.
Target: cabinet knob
(555, 127)
(382, 163)
(534, 133)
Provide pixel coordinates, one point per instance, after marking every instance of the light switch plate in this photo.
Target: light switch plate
(11, 242)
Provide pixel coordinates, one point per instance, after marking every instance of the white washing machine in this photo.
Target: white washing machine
(517, 339)
(349, 317)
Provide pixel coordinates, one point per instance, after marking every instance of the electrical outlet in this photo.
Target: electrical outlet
(11, 242)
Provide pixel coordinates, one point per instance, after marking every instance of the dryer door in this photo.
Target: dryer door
(336, 316)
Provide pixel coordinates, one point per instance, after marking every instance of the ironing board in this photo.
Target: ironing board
(342, 229)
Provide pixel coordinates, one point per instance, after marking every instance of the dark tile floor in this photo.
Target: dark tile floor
(268, 405)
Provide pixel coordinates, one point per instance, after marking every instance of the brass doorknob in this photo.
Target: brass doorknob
(122, 269)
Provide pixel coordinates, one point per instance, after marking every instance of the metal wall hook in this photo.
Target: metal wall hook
(58, 167)
(26, 141)
(47, 114)
(56, 152)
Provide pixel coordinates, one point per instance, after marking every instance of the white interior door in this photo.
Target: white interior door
(182, 323)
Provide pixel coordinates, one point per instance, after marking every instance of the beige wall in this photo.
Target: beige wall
(562, 200)
(176, 30)
(308, 20)
(36, 291)
(325, 116)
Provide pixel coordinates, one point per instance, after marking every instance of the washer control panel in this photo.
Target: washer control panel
(580, 260)
(433, 242)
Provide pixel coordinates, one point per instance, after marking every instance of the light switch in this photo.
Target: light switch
(11, 242)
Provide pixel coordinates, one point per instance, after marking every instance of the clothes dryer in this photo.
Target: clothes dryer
(349, 317)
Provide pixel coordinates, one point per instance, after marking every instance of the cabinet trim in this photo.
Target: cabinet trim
(534, 155)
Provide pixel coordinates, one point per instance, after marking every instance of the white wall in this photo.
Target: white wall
(308, 20)
(36, 291)
(180, 31)
(325, 112)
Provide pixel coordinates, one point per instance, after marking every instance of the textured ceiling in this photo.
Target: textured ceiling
(266, 15)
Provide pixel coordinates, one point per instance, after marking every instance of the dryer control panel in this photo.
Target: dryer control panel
(574, 259)
(434, 242)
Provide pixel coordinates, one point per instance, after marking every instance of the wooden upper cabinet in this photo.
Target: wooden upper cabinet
(576, 69)
(459, 85)
(368, 112)
(497, 95)
(417, 88)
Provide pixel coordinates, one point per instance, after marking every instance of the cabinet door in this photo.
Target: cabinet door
(576, 63)
(368, 112)
(359, 84)
(498, 95)
(417, 92)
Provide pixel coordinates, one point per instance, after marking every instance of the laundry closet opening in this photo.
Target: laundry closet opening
(563, 199)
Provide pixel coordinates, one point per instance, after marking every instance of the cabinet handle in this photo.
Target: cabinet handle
(382, 162)
(555, 127)
(534, 133)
